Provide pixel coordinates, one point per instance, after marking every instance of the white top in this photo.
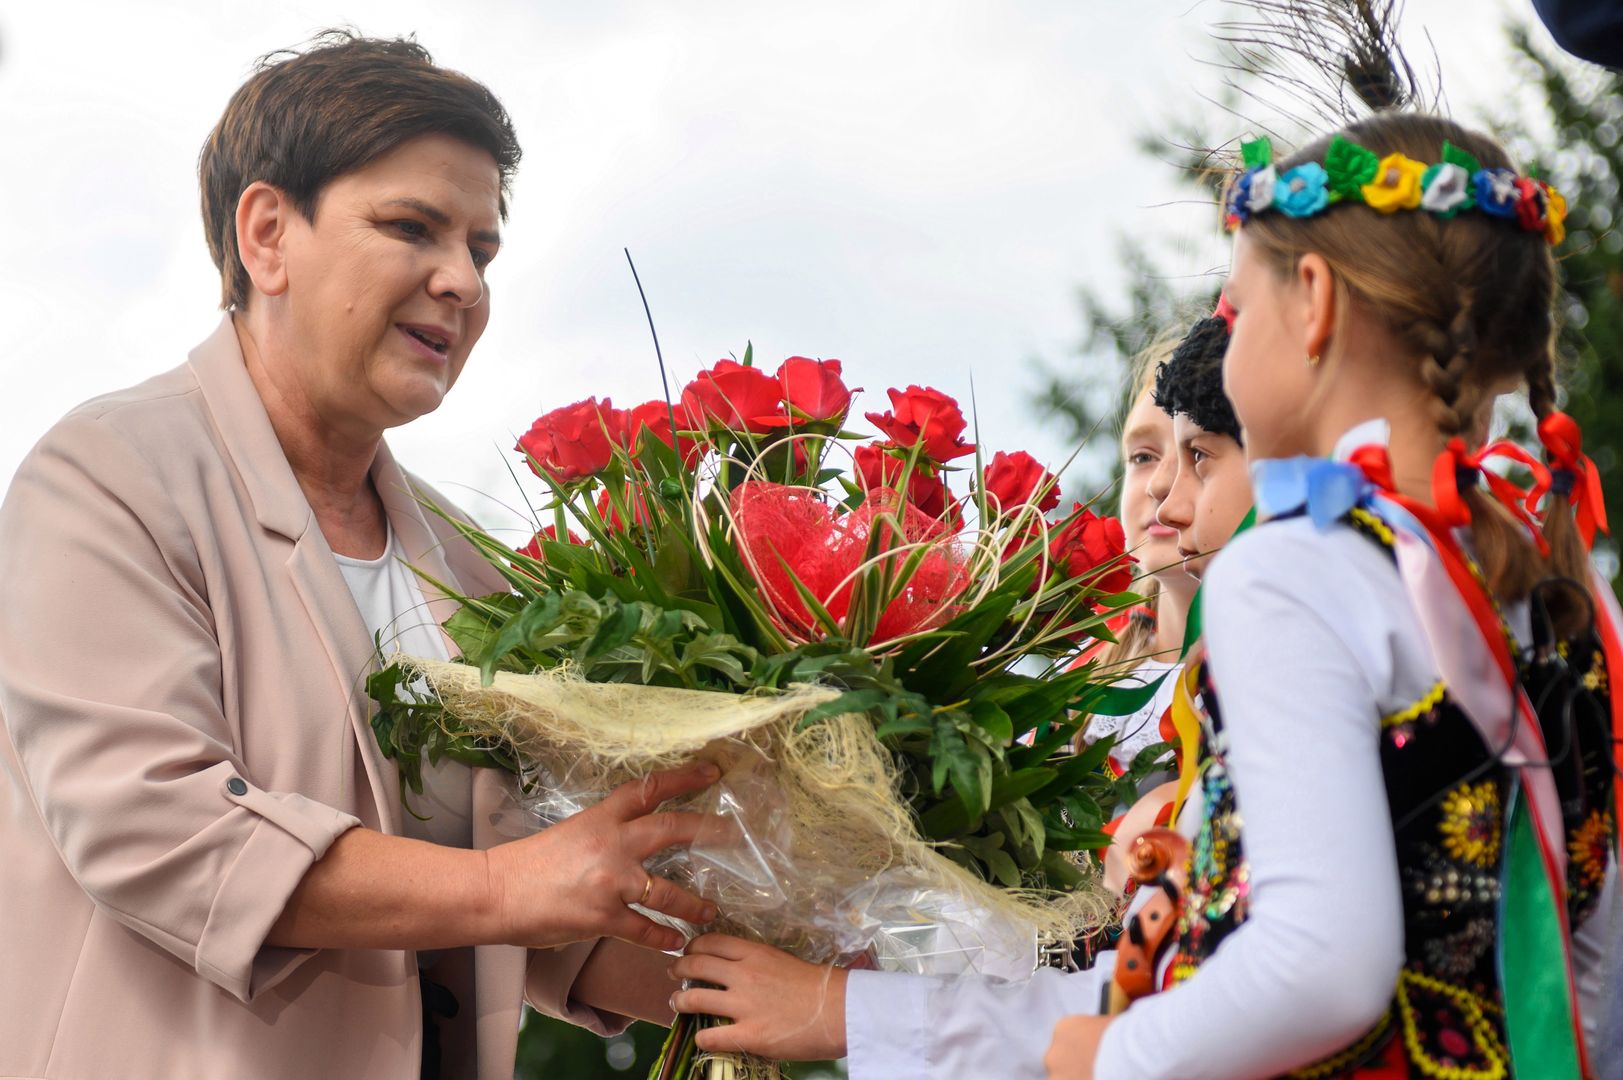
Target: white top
(1140, 729)
(394, 610)
(1311, 639)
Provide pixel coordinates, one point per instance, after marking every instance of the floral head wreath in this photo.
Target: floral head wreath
(1352, 173)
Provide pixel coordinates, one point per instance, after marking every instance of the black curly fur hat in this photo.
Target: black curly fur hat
(1191, 383)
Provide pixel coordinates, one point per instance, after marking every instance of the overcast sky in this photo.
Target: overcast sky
(913, 187)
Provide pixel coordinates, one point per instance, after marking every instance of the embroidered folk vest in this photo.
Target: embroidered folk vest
(1446, 790)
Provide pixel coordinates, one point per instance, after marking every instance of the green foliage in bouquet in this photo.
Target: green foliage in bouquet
(700, 568)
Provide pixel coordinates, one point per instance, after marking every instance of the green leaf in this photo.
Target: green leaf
(1119, 700)
(1061, 872)
(999, 865)
(615, 630)
(721, 653)
(1028, 831)
(910, 724)
(1152, 758)
(538, 615)
(1257, 153)
(971, 769)
(945, 671)
(852, 701)
(1061, 837)
(1453, 155)
(948, 819)
(673, 561)
(992, 719)
(1084, 810)
(1069, 773)
(1350, 167)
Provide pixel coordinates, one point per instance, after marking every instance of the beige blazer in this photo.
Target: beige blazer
(183, 732)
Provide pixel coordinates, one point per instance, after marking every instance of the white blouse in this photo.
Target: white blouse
(394, 610)
(1141, 729)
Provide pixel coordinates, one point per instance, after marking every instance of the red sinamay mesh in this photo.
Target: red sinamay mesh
(781, 528)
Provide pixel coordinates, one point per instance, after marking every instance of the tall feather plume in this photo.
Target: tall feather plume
(1339, 58)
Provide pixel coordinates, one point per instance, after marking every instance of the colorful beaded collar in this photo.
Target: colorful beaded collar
(1352, 173)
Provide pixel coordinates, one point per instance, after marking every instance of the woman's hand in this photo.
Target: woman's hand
(780, 1007)
(575, 880)
(1075, 1046)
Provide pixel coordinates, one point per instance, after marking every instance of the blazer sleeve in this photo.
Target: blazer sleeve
(549, 978)
(111, 694)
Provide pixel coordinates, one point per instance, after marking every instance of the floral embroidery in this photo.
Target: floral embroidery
(1470, 824)
(1589, 845)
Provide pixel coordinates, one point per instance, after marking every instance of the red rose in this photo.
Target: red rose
(734, 397)
(813, 390)
(922, 415)
(1015, 478)
(575, 441)
(1094, 548)
(656, 417)
(878, 467)
(533, 548)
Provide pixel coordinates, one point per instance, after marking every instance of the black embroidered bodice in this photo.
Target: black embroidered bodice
(1446, 790)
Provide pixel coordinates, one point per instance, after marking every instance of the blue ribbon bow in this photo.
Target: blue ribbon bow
(1327, 489)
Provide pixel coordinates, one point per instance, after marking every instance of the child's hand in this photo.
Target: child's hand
(780, 1007)
(1075, 1046)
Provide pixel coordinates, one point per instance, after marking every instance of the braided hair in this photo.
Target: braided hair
(1472, 299)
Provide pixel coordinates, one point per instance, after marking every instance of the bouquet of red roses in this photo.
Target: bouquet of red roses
(872, 635)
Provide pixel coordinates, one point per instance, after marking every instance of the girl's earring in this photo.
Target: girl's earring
(1313, 360)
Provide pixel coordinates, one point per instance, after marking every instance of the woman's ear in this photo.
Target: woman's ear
(1317, 289)
(263, 215)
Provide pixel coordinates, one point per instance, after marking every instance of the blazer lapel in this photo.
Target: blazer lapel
(281, 508)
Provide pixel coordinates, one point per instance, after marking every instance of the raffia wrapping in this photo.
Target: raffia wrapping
(846, 816)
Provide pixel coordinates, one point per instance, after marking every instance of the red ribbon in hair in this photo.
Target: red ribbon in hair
(1564, 443)
(1455, 470)
(1225, 310)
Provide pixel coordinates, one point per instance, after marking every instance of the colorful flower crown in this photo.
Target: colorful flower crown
(1352, 173)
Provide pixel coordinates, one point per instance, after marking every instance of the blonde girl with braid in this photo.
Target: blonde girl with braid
(1403, 846)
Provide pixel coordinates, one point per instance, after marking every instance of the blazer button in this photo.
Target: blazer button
(237, 786)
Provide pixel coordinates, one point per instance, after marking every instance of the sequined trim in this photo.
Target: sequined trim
(1433, 698)
(1374, 525)
(1479, 1031)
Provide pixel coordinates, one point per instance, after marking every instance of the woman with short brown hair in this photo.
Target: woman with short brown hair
(209, 871)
